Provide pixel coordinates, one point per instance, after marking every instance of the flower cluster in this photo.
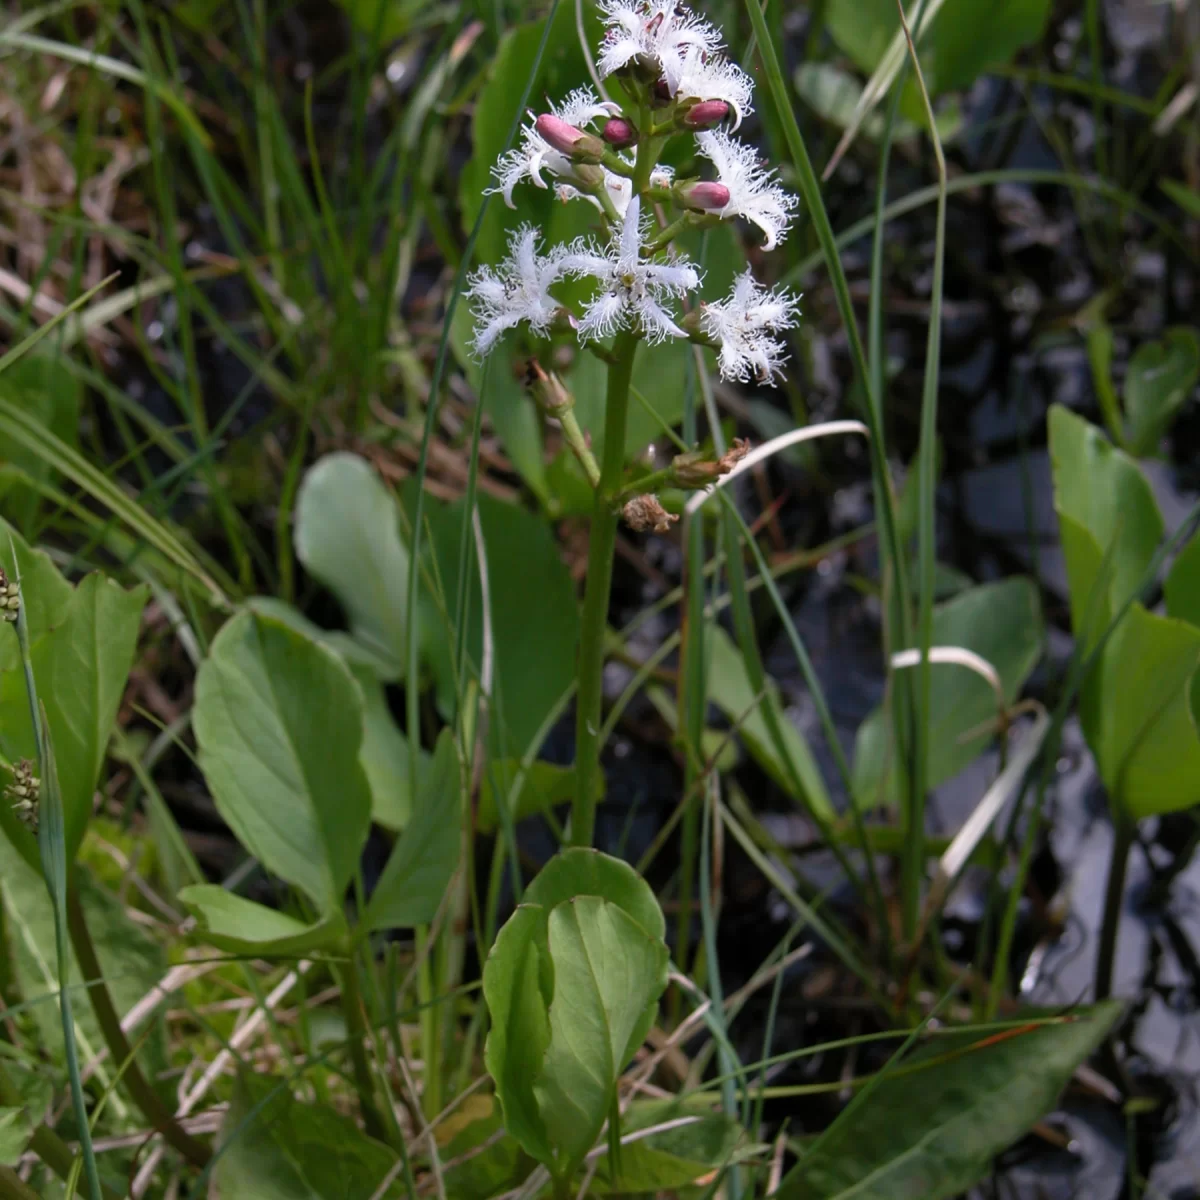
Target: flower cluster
(670, 65)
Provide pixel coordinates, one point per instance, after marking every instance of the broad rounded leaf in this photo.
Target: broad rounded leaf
(1136, 710)
(279, 724)
(241, 926)
(583, 872)
(607, 972)
(931, 1130)
(348, 537)
(1101, 490)
(1136, 703)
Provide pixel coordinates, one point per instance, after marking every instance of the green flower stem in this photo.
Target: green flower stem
(1123, 834)
(153, 1107)
(356, 1034)
(601, 544)
(579, 446)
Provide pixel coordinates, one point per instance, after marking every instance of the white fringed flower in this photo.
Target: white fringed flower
(753, 192)
(515, 291)
(633, 291)
(742, 324)
(662, 31)
(713, 77)
(535, 154)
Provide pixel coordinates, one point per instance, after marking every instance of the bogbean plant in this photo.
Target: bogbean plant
(676, 84)
(573, 980)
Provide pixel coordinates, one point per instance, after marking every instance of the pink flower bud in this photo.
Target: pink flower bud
(619, 132)
(704, 196)
(706, 114)
(574, 143)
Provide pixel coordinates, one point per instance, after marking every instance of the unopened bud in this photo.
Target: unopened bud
(24, 793)
(10, 598)
(547, 389)
(661, 93)
(619, 132)
(703, 196)
(574, 143)
(588, 175)
(706, 114)
(644, 513)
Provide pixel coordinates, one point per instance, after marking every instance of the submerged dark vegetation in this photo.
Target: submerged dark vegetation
(841, 844)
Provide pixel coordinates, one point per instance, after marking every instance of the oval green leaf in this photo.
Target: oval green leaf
(348, 537)
(279, 725)
(608, 972)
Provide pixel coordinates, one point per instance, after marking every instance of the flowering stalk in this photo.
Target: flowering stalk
(680, 85)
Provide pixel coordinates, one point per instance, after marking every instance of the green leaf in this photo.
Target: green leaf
(384, 754)
(279, 725)
(607, 972)
(1002, 623)
(730, 690)
(348, 537)
(1161, 376)
(674, 1158)
(233, 923)
(425, 856)
(1137, 704)
(272, 1147)
(584, 913)
(15, 1131)
(1105, 507)
(544, 786)
(581, 871)
(82, 643)
(1137, 714)
(518, 986)
(932, 1129)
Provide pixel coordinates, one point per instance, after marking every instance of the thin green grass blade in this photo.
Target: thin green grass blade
(22, 428)
(412, 693)
(896, 587)
(27, 343)
(913, 866)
